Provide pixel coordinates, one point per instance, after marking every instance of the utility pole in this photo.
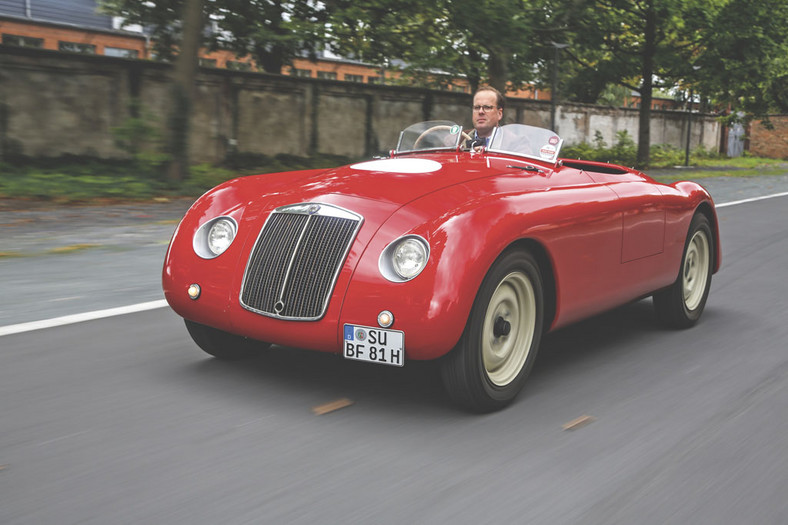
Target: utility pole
(689, 128)
(689, 121)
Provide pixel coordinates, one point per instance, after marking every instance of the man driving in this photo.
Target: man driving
(488, 105)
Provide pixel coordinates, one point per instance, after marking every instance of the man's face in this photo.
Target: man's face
(485, 121)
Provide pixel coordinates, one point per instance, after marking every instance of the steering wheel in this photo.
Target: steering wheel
(433, 129)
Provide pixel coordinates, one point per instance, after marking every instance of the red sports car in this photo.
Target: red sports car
(441, 251)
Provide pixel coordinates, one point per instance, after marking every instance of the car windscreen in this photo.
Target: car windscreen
(430, 135)
(526, 141)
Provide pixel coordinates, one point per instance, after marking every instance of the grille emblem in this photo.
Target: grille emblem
(279, 306)
(314, 208)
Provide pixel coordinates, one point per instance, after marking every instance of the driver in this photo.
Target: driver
(488, 105)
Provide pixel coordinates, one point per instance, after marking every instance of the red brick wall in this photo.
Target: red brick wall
(770, 143)
(52, 36)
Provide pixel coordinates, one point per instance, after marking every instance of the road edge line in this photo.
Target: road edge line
(79, 318)
(753, 199)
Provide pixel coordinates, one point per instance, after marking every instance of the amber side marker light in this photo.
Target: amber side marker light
(385, 319)
(194, 291)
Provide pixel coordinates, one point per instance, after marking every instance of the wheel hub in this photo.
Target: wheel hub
(502, 327)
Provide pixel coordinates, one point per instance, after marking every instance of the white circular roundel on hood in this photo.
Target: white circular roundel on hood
(399, 165)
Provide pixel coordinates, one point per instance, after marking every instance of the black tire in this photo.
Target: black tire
(223, 345)
(681, 304)
(489, 365)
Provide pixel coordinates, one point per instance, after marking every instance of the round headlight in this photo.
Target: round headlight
(409, 258)
(220, 236)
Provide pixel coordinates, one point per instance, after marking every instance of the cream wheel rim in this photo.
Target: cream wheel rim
(696, 270)
(509, 326)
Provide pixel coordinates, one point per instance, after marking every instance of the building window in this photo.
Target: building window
(354, 78)
(121, 52)
(327, 75)
(207, 62)
(295, 72)
(373, 80)
(239, 66)
(75, 47)
(22, 41)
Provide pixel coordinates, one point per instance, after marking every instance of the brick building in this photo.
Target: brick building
(771, 143)
(67, 25)
(76, 26)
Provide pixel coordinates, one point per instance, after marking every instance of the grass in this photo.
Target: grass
(78, 180)
(73, 180)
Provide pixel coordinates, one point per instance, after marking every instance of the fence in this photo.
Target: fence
(54, 104)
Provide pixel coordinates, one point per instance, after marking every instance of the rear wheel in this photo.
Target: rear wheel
(681, 304)
(224, 345)
(489, 365)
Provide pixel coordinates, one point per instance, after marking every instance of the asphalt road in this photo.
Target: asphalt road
(124, 420)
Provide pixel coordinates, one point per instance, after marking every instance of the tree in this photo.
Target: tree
(482, 40)
(179, 121)
(177, 29)
(632, 43)
(272, 32)
(744, 60)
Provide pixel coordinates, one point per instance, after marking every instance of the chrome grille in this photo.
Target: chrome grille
(296, 260)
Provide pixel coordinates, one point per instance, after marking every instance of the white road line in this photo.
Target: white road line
(744, 201)
(141, 307)
(79, 318)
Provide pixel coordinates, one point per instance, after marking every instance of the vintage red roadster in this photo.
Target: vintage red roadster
(442, 251)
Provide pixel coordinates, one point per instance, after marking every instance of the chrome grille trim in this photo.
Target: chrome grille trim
(296, 260)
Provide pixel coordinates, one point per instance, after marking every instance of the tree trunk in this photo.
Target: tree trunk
(647, 88)
(182, 91)
(498, 71)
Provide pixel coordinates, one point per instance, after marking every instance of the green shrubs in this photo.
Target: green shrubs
(624, 152)
(81, 179)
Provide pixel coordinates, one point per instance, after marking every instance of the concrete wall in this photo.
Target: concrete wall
(54, 103)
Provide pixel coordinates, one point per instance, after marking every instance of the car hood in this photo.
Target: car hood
(393, 182)
(375, 189)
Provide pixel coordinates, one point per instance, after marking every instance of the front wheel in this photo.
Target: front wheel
(224, 345)
(489, 365)
(681, 304)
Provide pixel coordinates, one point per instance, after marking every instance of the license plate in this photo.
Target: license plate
(374, 345)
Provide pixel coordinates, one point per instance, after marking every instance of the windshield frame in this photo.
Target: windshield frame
(451, 126)
(552, 142)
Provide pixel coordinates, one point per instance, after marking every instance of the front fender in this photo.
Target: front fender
(465, 239)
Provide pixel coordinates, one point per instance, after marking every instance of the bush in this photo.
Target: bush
(80, 179)
(624, 152)
(666, 155)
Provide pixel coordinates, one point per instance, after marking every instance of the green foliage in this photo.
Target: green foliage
(490, 41)
(666, 155)
(140, 138)
(743, 57)
(73, 186)
(272, 32)
(624, 152)
(80, 179)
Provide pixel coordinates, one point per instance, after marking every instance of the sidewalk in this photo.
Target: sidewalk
(36, 228)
